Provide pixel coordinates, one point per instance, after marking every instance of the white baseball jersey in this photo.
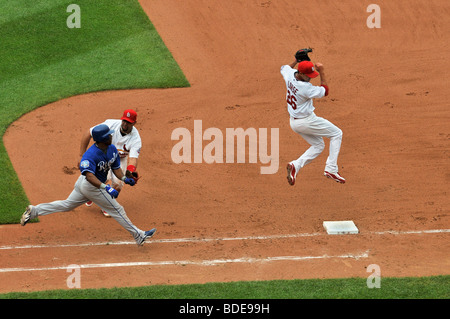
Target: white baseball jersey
(127, 145)
(299, 94)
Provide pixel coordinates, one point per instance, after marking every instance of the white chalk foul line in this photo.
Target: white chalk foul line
(394, 232)
(212, 262)
(190, 240)
(170, 240)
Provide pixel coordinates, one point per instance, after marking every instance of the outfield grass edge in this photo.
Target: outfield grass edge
(432, 287)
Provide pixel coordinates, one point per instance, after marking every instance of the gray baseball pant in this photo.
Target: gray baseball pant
(82, 193)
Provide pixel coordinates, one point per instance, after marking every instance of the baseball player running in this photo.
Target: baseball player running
(128, 142)
(303, 121)
(90, 186)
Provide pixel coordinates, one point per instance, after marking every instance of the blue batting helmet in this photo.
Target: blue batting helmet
(101, 133)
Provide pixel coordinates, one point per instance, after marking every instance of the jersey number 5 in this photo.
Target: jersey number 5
(291, 99)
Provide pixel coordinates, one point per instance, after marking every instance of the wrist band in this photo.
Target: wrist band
(102, 186)
(124, 178)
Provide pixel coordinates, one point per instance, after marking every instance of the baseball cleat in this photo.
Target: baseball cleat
(148, 234)
(290, 174)
(338, 178)
(26, 216)
(89, 204)
(105, 214)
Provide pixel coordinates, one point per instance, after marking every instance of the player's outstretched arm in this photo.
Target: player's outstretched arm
(133, 161)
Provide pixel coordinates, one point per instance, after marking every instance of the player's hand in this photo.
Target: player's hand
(130, 181)
(111, 191)
(319, 67)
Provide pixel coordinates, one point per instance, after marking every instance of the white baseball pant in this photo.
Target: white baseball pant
(82, 193)
(313, 128)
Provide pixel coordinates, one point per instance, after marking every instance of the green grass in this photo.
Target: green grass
(437, 287)
(43, 61)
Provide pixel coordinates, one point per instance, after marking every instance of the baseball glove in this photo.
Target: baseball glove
(302, 55)
(133, 175)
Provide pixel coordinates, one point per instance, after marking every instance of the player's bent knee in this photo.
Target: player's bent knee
(338, 134)
(320, 147)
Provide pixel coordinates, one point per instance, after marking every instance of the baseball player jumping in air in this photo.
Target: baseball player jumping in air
(128, 142)
(303, 121)
(90, 186)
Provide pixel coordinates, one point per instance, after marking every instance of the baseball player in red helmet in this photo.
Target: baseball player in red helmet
(128, 142)
(303, 121)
